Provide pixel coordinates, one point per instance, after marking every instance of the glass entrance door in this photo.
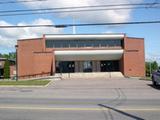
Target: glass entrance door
(87, 66)
(109, 66)
(65, 67)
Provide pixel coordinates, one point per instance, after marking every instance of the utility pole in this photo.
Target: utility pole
(150, 64)
(74, 27)
(16, 46)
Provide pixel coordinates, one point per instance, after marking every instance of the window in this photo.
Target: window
(82, 43)
(87, 66)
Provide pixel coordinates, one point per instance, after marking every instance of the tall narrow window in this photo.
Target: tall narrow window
(87, 66)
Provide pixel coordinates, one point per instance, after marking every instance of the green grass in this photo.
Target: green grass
(26, 82)
(145, 78)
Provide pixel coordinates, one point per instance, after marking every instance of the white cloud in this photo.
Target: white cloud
(8, 37)
(108, 31)
(153, 57)
(96, 16)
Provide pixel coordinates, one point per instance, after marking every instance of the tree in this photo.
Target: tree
(6, 73)
(9, 55)
(154, 65)
(5, 56)
(12, 55)
(150, 67)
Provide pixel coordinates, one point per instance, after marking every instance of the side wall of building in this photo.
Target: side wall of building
(12, 71)
(32, 58)
(134, 57)
(43, 63)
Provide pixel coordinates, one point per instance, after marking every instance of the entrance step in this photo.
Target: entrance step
(91, 75)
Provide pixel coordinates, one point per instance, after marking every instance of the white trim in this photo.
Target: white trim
(88, 55)
(73, 37)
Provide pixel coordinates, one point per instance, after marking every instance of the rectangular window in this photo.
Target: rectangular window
(83, 43)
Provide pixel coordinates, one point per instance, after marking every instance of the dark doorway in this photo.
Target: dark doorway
(1, 73)
(87, 66)
(109, 66)
(65, 66)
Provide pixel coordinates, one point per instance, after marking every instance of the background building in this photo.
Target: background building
(81, 53)
(12, 70)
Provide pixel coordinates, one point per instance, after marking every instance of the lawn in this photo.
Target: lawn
(26, 82)
(145, 78)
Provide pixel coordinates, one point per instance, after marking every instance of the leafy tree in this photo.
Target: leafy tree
(9, 56)
(6, 69)
(154, 65)
(5, 56)
(12, 55)
(150, 67)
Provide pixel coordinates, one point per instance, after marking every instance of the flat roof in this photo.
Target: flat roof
(83, 36)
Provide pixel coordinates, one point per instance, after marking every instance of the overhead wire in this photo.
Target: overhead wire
(20, 1)
(82, 25)
(71, 10)
(79, 7)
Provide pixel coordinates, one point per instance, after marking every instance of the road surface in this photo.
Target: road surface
(98, 99)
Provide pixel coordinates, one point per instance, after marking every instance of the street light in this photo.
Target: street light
(16, 46)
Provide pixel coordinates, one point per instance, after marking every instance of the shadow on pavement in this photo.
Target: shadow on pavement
(121, 112)
(155, 87)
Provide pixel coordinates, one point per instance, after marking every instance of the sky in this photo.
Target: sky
(150, 32)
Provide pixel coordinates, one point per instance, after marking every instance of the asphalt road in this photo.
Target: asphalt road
(98, 99)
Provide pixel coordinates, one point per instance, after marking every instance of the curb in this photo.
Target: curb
(18, 86)
(48, 83)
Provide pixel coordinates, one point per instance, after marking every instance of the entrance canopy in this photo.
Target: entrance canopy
(81, 55)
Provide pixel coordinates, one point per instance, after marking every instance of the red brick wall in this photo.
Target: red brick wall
(121, 65)
(12, 71)
(34, 58)
(43, 63)
(26, 49)
(134, 59)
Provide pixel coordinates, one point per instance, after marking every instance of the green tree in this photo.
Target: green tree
(154, 65)
(9, 55)
(5, 56)
(12, 55)
(150, 67)
(6, 69)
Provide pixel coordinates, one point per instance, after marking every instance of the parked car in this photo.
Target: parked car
(156, 77)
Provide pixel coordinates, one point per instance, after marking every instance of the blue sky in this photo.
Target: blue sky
(151, 32)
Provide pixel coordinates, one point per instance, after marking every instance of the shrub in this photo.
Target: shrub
(6, 69)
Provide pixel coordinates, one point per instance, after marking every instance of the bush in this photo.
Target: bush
(6, 73)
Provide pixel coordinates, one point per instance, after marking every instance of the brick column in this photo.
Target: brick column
(98, 66)
(76, 66)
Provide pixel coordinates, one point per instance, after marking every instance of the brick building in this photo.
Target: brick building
(81, 53)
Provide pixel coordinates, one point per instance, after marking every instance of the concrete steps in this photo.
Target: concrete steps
(90, 75)
(64, 76)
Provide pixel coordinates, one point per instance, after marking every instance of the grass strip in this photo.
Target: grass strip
(26, 82)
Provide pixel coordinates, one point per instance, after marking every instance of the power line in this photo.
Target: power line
(80, 9)
(73, 11)
(147, 5)
(20, 1)
(82, 25)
